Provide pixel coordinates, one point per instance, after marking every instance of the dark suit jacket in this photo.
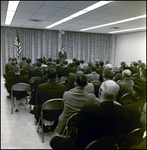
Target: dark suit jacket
(62, 55)
(64, 72)
(125, 87)
(49, 90)
(94, 122)
(28, 67)
(8, 67)
(35, 72)
(36, 83)
(16, 79)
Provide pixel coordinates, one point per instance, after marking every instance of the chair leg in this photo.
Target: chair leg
(38, 125)
(42, 130)
(12, 101)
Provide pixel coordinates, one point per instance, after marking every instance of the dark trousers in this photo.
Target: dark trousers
(64, 143)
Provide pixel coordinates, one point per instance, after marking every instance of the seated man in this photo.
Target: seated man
(132, 117)
(49, 90)
(36, 71)
(74, 100)
(93, 76)
(125, 84)
(16, 78)
(94, 122)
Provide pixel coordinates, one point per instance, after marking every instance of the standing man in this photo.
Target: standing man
(62, 54)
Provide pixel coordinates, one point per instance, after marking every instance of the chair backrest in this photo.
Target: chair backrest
(103, 143)
(31, 82)
(20, 87)
(52, 104)
(51, 109)
(132, 138)
(68, 130)
(127, 99)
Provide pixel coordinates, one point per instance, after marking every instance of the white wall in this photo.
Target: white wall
(128, 47)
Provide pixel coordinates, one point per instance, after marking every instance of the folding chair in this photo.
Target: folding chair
(103, 143)
(132, 138)
(50, 111)
(127, 99)
(19, 87)
(69, 129)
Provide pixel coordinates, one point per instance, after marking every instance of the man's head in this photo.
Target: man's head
(93, 67)
(108, 90)
(107, 74)
(139, 89)
(38, 64)
(28, 60)
(81, 68)
(126, 74)
(101, 63)
(51, 73)
(81, 79)
(24, 58)
(10, 59)
(16, 68)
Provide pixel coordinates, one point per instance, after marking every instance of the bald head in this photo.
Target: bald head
(109, 89)
(16, 68)
(126, 73)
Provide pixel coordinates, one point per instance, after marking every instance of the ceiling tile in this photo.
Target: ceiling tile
(4, 5)
(65, 12)
(34, 2)
(97, 16)
(3, 13)
(112, 18)
(24, 15)
(46, 10)
(80, 4)
(39, 16)
(26, 7)
(19, 20)
(54, 18)
(57, 3)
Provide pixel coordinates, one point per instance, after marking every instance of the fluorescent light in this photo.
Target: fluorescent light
(96, 5)
(12, 6)
(59, 22)
(128, 30)
(92, 7)
(8, 20)
(78, 14)
(112, 23)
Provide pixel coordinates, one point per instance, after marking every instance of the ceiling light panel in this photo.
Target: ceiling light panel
(136, 29)
(116, 22)
(12, 6)
(92, 7)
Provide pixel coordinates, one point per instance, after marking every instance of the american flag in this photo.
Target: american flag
(18, 45)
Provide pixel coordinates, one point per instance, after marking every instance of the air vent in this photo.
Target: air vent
(115, 28)
(35, 20)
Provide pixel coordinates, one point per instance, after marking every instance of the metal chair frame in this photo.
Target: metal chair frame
(19, 87)
(49, 105)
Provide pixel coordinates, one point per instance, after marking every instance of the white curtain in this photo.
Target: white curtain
(128, 47)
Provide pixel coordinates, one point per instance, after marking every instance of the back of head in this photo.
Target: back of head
(101, 63)
(65, 62)
(107, 74)
(74, 59)
(93, 67)
(109, 89)
(28, 60)
(24, 58)
(38, 64)
(82, 61)
(77, 62)
(81, 68)
(51, 73)
(109, 66)
(81, 79)
(126, 73)
(16, 68)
